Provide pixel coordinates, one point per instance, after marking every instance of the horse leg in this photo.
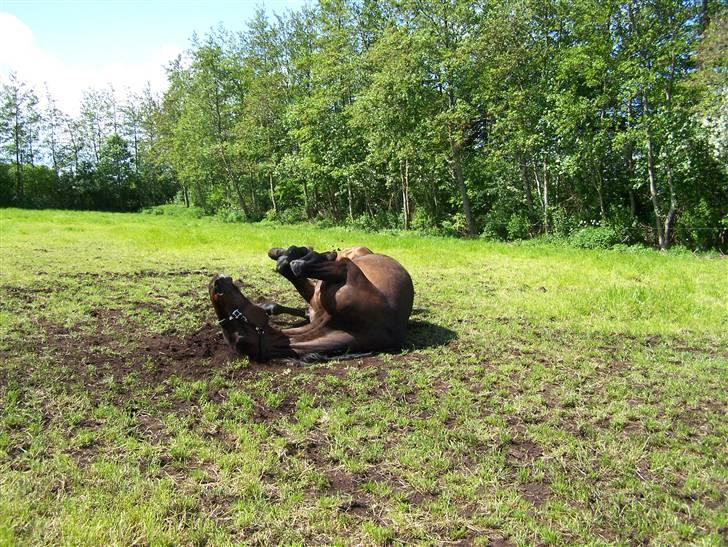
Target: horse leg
(271, 308)
(334, 342)
(322, 266)
(283, 258)
(326, 342)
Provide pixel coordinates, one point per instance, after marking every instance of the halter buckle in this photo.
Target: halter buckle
(237, 314)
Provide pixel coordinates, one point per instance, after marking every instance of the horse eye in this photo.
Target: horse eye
(218, 287)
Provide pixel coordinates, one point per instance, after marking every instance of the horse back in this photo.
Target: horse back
(391, 279)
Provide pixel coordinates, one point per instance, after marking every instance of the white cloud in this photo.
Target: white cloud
(67, 79)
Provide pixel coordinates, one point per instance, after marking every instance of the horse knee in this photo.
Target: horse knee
(270, 308)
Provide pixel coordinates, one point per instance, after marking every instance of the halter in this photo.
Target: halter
(237, 315)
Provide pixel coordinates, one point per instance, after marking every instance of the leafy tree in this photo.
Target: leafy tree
(18, 128)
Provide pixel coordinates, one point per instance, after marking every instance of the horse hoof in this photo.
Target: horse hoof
(275, 253)
(297, 267)
(282, 264)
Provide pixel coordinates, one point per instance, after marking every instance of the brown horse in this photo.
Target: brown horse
(358, 301)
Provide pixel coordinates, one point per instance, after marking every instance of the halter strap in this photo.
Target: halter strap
(237, 315)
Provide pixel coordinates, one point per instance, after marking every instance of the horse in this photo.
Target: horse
(359, 302)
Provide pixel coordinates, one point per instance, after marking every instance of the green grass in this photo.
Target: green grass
(547, 395)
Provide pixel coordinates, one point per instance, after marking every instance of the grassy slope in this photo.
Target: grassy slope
(549, 395)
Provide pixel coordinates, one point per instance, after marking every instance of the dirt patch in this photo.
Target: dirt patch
(84, 456)
(139, 274)
(523, 450)
(152, 429)
(111, 348)
(537, 493)
(110, 345)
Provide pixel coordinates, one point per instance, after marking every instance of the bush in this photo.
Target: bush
(289, 215)
(455, 225)
(696, 228)
(382, 221)
(501, 225)
(365, 223)
(231, 215)
(422, 221)
(292, 215)
(175, 210)
(595, 237)
(495, 224)
(518, 227)
(563, 224)
(325, 222)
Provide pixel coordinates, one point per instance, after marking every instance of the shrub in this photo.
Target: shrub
(502, 225)
(231, 215)
(289, 215)
(695, 227)
(325, 222)
(563, 224)
(382, 221)
(455, 225)
(495, 224)
(365, 223)
(422, 221)
(518, 227)
(175, 210)
(292, 215)
(595, 237)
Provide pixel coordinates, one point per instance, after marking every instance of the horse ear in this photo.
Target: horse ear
(256, 315)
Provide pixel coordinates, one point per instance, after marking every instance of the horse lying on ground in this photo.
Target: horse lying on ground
(358, 302)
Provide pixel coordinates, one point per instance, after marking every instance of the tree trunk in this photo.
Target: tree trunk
(272, 193)
(31, 158)
(597, 180)
(526, 186)
(629, 162)
(545, 197)
(350, 198)
(632, 204)
(305, 200)
(460, 182)
(405, 195)
(653, 193)
(670, 218)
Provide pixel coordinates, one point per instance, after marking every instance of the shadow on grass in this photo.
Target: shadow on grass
(423, 335)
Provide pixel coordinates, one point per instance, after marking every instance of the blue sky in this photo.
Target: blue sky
(73, 45)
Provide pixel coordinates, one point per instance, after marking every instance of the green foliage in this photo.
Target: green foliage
(455, 225)
(495, 223)
(175, 210)
(695, 227)
(595, 237)
(231, 215)
(290, 215)
(563, 224)
(441, 116)
(518, 226)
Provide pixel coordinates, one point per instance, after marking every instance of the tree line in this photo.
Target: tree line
(506, 118)
(100, 159)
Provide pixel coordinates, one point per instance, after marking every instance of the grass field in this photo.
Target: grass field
(546, 396)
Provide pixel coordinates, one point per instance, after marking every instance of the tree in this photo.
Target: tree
(18, 127)
(116, 175)
(657, 38)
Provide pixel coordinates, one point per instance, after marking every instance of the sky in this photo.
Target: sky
(72, 45)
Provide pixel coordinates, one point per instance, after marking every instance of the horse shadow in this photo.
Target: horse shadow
(422, 334)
